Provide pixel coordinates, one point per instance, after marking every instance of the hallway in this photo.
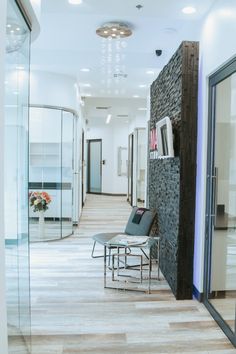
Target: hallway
(72, 313)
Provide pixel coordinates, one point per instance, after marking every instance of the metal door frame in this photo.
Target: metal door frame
(221, 74)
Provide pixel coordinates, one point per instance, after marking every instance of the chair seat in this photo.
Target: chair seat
(103, 237)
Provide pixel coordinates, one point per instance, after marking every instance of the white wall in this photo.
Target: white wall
(3, 320)
(217, 45)
(113, 135)
(53, 89)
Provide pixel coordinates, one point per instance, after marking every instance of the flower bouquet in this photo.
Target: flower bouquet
(39, 201)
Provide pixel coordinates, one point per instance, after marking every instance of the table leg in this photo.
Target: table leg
(105, 266)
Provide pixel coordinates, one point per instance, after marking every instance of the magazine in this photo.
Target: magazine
(126, 240)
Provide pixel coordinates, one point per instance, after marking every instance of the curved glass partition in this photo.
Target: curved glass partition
(51, 172)
(16, 179)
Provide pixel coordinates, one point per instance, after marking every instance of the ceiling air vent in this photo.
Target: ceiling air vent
(122, 115)
(101, 107)
(121, 75)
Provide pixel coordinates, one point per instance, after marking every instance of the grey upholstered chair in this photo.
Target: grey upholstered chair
(142, 228)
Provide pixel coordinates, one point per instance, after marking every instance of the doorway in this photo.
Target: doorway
(220, 247)
(95, 166)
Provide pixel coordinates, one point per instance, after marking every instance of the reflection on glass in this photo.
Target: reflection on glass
(141, 163)
(51, 172)
(223, 261)
(16, 179)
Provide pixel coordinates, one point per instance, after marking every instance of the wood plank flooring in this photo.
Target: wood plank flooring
(73, 313)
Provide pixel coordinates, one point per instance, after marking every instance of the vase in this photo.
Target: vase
(41, 224)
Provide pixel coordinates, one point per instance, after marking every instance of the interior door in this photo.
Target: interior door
(83, 169)
(95, 166)
(220, 267)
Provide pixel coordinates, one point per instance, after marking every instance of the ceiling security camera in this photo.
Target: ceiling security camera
(158, 52)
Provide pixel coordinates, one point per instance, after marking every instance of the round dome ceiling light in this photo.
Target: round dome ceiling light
(75, 2)
(189, 10)
(114, 30)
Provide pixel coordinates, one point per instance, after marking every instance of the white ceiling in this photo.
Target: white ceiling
(68, 42)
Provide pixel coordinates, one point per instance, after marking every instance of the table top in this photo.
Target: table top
(132, 241)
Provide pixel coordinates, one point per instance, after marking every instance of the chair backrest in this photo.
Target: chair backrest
(144, 226)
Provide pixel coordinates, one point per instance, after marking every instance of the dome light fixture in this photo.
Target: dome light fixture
(189, 10)
(114, 30)
(75, 2)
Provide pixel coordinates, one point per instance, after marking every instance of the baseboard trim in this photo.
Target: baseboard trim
(114, 195)
(198, 296)
(110, 194)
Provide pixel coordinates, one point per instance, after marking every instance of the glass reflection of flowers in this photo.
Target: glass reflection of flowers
(39, 201)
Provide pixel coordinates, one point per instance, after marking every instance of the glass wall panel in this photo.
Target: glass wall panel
(222, 292)
(67, 173)
(16, 178)
(51, 173)
(45, 173)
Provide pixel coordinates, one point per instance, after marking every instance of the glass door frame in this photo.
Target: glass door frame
(130, 174)
(223, 73)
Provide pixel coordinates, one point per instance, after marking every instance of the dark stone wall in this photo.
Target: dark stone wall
(172, 180)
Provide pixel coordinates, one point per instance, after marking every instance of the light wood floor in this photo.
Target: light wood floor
(73, 313)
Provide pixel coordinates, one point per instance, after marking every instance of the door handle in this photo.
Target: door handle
(214, 194)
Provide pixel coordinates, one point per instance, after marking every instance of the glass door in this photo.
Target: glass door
(95, 166)
(130, 168)
(16, 179)
(220, 267)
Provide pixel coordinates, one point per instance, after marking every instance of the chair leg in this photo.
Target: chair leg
(92, 254)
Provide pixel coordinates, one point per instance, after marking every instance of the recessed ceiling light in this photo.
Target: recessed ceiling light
(142, 109)
(8, 25)
(150, 72)
(20, 67)
(142, 86)
(86, 85)
(85, 70)
(108, 119)
(135, 96)
(189, 10)
(75, 2)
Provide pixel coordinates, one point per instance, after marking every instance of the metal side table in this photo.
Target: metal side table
(125, 244)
